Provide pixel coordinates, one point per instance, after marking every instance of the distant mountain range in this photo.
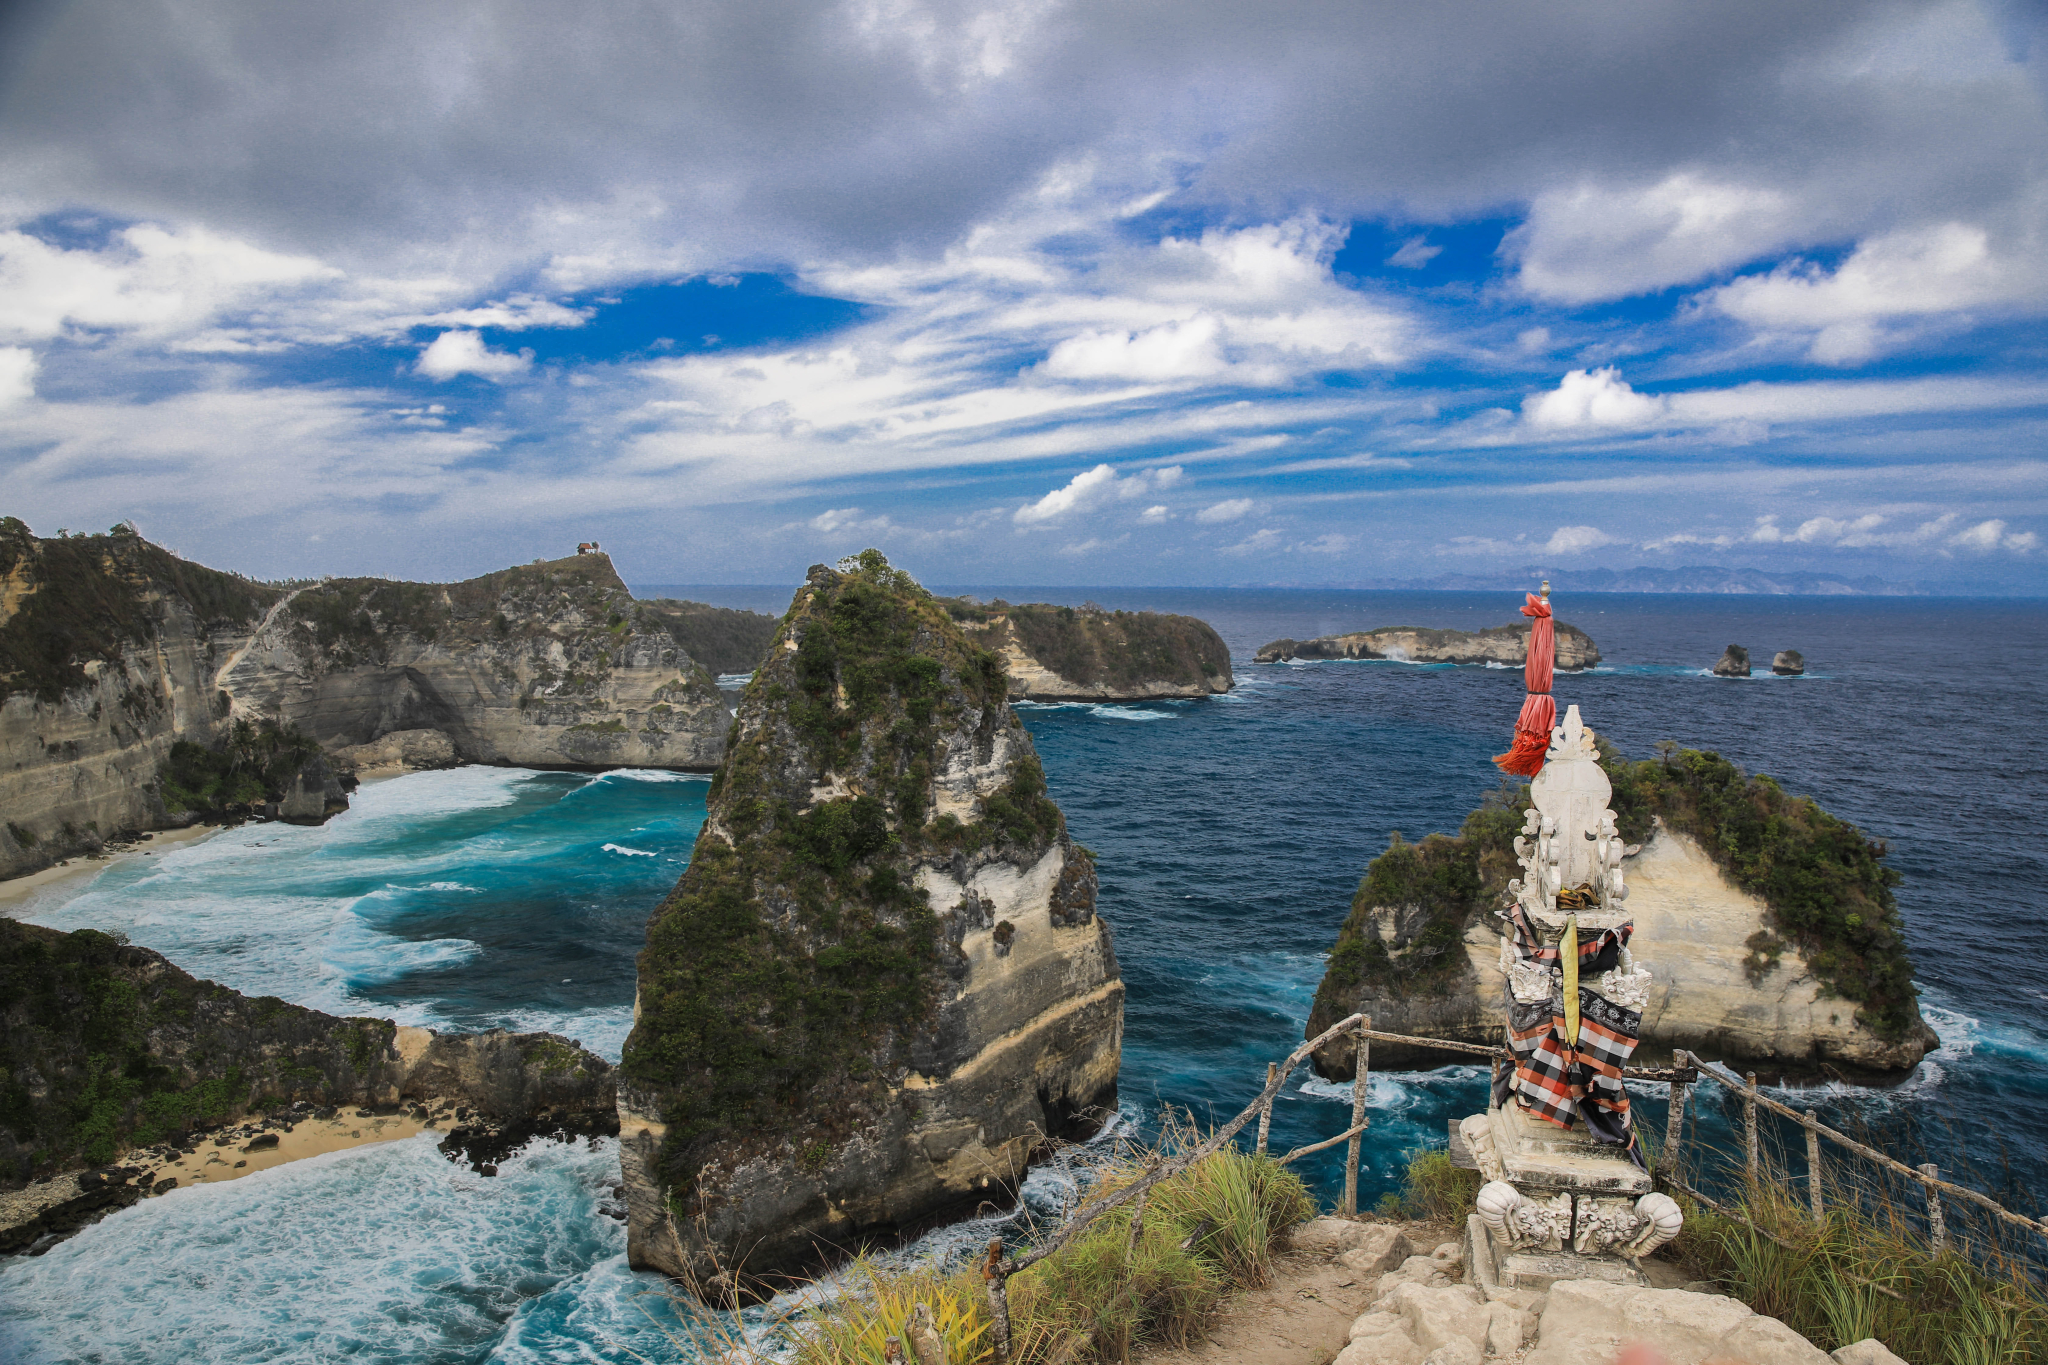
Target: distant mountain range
(1702, 578)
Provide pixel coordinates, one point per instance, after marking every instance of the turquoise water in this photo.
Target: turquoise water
(1231, 833)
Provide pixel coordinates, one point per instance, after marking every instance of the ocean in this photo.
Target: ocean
(1231, 833)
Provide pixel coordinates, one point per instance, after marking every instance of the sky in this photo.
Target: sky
(1032, 292)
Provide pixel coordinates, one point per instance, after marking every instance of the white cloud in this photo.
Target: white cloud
(1415, 253)
(1258, 542)
(1576, 540)
(146, 279)
(17, 375)
(454, 353)
(1093, 487)
(1987, 536)
(1595, 242)
(1174, 350)
(838, 520)
(1156, 515)
(1924, 271)
(1228, 510)
(1597, 398)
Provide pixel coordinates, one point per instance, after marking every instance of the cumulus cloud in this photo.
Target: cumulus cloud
(1590, 243)
(1173, 350)
(1091, 488)
(848, 520)
(1946, 268)
(1228, 510)
(17, 375)
(454, 353)
(1987, 536)
(1591, 399)
(1415, 253)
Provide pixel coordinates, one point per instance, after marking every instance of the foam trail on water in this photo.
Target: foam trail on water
(381, 1254)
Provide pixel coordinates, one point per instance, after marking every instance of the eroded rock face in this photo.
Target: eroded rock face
(549, 665)
(1508, 644)
(1714, 991)
(112, 650)
(1053, 653)
(1788, 663)
(1733, 663)
(882, 981)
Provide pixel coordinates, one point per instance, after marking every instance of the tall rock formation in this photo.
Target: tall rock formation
(1778, 942)
(1507, 644)
(113, 651)
(881, 983)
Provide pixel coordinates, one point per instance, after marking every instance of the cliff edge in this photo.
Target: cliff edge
(1089, 653)
(1769, 927)
(881, 983)
(1508, 644)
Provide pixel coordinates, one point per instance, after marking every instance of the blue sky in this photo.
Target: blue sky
(1032, 291)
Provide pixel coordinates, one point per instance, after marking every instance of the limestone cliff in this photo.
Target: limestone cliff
(108, 652)
(881, 983)
(549, 665)
(724, 639)
(1053, 653)
(114, 652)
(1508, 644)
(105, 1047)
(1781, 948)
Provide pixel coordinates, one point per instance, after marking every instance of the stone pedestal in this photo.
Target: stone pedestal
(1557, 1205)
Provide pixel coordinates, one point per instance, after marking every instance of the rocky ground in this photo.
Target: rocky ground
(1360, 1293)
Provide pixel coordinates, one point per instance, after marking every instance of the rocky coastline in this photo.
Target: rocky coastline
(1508, 645)
(881, 985)
(114, 652)
(115, 1064)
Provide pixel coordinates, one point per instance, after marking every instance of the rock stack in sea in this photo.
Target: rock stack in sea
(1054, 653)
(1508, 644)
(881, 984)
(1788, 663)
(1733, 663)
(1779, 944)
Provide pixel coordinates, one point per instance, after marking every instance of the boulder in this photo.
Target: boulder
(1437, 1317)
(1375, 1249)
(1788, 663)
(1733, 663)
(1589, 1320)
(1869, 1351)
(1381, 1348)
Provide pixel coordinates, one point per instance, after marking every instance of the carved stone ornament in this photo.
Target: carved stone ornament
(1628, 989)
(1477, 1130)
(1605, 1225)
(1568, 836)
(1541, 1224)
(1532, 983)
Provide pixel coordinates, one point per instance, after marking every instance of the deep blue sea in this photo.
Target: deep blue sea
(1231, 833)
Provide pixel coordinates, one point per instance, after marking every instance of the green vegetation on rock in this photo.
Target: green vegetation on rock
(105, 1047)
(723, 639)
(1092, 647)
(255, 765)
(1824, 882)
(787, 975)
(74, 600)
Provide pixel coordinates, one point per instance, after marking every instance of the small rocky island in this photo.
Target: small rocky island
(1089, 653)
(1779, 943)
(137, 689)
(1508, 644)
(881, 984)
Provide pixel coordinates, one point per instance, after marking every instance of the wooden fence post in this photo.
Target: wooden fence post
(1813, 1164)
(1937, 1226)
(998, 1287)
(1674, 1129)
(1266, 1112)
(1360, 1081)
(1749, 1127)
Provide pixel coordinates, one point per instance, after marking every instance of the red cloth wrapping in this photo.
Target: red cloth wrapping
(1542, 660)
(1539, 712)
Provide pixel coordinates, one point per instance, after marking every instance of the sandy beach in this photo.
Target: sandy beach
(17, 890)
(228, 1155)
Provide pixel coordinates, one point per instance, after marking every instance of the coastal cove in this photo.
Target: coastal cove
(1230, 833)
